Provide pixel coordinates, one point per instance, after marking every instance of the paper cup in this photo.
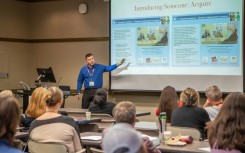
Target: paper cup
(167, 135)
(88, 115)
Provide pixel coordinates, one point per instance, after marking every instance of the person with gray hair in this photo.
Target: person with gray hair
(125, 112)
(214, 101)
(121, 139)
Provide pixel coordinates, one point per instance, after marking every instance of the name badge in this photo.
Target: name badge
(91, 83)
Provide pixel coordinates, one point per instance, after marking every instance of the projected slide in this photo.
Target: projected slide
(171, 37)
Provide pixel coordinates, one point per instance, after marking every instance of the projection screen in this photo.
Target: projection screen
(183, 43)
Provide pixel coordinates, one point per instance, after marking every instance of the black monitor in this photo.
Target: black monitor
(46, 75)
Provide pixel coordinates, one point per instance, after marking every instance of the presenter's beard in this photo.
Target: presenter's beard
(91, 64)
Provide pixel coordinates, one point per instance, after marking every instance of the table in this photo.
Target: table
(85, 121)
(91, 143)
(189, 148)
(73, 110)
(146, 125)
(83, 111)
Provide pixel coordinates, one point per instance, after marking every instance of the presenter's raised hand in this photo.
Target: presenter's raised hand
(78, 96)
(121, 62)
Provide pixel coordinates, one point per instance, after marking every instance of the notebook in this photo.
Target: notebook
(66, 90)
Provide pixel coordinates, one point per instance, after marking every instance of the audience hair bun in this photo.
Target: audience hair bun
(49, 101)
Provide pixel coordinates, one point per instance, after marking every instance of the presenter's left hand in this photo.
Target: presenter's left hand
(121, 62)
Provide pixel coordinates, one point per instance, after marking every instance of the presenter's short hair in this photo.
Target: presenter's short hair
(88, 55)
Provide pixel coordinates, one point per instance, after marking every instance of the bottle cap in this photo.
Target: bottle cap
(163, 114)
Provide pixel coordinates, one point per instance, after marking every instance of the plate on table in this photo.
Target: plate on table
(179, 143)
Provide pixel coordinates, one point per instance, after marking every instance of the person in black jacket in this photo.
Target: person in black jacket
(100, 104)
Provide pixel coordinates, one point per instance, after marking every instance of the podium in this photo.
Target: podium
(25, 94)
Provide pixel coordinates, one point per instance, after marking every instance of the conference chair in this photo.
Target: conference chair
(106, 120)
(88, 128)
(95, 150)
(38, 147)
(196, 135)
(149, 132)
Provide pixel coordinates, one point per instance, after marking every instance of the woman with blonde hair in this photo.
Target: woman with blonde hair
(52, 127)
(36, 106)
(6, 93)
(9, 119)
(226, 134)
(190, 115)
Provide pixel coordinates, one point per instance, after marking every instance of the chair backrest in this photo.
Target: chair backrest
(106, 120)
(37, 147)
(104, 117)
(196, 135)
(88, 128)
(95, 150)
(150, 132)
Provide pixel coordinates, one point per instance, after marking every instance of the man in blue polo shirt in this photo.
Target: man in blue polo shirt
(91, 75)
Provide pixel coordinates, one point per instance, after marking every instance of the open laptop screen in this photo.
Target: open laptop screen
(66, 90)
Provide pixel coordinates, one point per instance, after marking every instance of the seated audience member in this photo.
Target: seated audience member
(120, 139)
(167, 102)
(190, 115)
(125, 112)
(226, 133)
(6, 93)
(100, 104)
(53, 127)
(214, 101)
(36, 106)
(9, 119)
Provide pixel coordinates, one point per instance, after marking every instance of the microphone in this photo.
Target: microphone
(58, 83)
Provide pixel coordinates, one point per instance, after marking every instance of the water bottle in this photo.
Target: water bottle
(162, 122)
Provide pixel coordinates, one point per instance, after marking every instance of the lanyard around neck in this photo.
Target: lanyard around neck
(90, 74)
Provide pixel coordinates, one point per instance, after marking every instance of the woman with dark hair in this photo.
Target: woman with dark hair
(167, 102)
(100, 104)
(226, 133)
(190, 115)
(9, 119)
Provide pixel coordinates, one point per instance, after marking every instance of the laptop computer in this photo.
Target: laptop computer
(66, 90)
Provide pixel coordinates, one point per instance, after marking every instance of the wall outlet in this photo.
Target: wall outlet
(4, 75)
